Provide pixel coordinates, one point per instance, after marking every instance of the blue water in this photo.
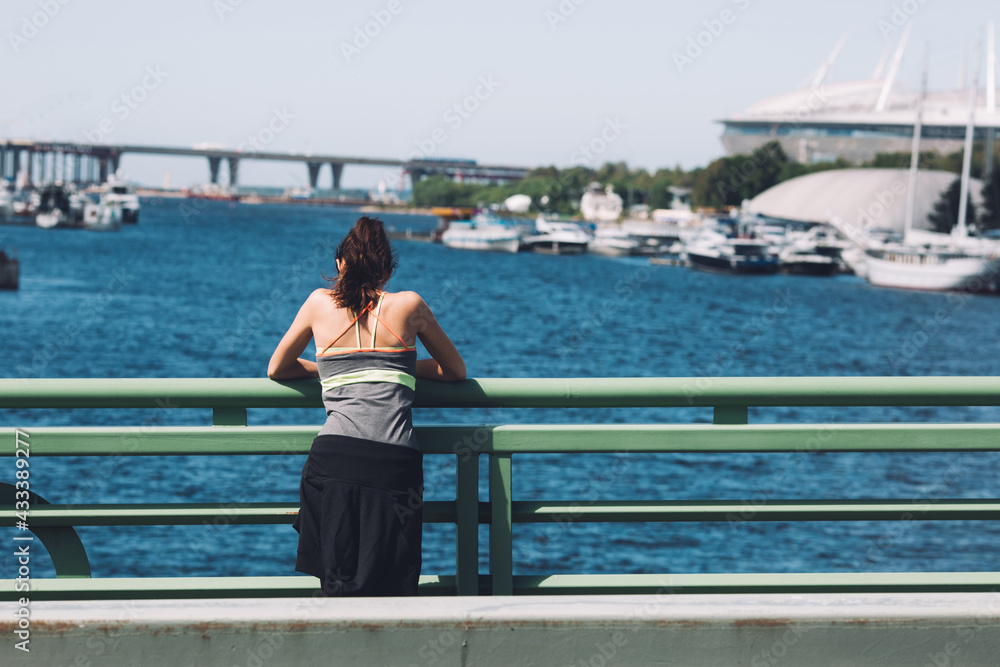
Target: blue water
(208, 290)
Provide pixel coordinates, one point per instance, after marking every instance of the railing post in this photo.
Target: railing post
(229, 416)
(467, 524)
(501, 527)
(731, 414)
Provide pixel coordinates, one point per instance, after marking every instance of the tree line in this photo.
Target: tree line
(724, 183)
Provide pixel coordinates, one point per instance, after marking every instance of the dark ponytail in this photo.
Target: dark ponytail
(369, 261)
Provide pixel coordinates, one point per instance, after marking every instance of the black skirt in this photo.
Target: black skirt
(361, 517)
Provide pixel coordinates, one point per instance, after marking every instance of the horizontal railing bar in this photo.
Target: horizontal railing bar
(511, 392)
(214, 440)
(831, 437)
(165, 588)
(826, 582)
(526, 511)
(181, 514)
(116, 588)
(525, 438)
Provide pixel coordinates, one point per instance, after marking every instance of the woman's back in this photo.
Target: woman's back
(368, 383)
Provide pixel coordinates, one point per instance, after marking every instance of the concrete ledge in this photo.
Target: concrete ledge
(906, 629)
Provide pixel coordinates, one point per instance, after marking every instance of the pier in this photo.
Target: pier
(87, 163)
(886, 618)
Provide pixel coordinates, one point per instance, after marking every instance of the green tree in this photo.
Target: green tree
(711, 187)
(944, 217)
(658, 190)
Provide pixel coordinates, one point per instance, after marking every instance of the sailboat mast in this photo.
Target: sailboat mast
(991, 98)
(911, 199)
(961, 229)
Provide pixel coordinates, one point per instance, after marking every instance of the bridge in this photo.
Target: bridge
(87, 163)
(494, 616)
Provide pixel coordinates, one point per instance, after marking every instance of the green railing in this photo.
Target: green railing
(53, 524)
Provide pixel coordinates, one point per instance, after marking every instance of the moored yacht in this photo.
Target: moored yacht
(118, 193)
(713, 251)
(483, 232)
(613, 242)
(52, 207)
(103, 216)
(557, 238)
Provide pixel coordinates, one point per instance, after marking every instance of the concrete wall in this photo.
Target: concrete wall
(911, 630)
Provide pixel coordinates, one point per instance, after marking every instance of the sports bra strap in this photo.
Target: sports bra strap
(353, 323)
(378, 309)
(357, 326)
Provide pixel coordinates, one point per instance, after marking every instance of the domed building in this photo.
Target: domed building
(872, 198)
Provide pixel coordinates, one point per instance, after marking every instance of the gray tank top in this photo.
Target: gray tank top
(368, 392)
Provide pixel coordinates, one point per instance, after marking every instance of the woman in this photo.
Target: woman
(361, 490)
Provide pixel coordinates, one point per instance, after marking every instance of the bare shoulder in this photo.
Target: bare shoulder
(408, 300)
(318, 296)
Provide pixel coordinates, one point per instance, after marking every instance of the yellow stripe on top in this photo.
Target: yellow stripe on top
(370, 375)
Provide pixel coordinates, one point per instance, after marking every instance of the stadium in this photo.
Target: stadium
(855, 120)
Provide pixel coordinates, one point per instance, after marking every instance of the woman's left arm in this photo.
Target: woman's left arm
(285, 363)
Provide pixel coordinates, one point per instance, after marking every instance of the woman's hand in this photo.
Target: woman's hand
(285, 363)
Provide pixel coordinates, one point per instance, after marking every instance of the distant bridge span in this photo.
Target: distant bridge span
(94, 162)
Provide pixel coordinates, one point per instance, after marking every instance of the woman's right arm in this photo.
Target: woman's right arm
(445, 362)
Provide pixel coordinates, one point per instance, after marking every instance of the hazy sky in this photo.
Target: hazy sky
(533, 81)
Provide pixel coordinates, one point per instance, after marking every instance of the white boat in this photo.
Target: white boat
(799, 251)
(713, 251)
(806, 262)
(613, 242)
(51, 219)
(927, 260)
(103, 216)
(557, 238)
(483, 232)
(6, 200)
(52, 207)
(119, 192)
(936, 269)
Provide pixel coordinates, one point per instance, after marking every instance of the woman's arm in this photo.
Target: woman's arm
(445, 362)
(285, 363)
